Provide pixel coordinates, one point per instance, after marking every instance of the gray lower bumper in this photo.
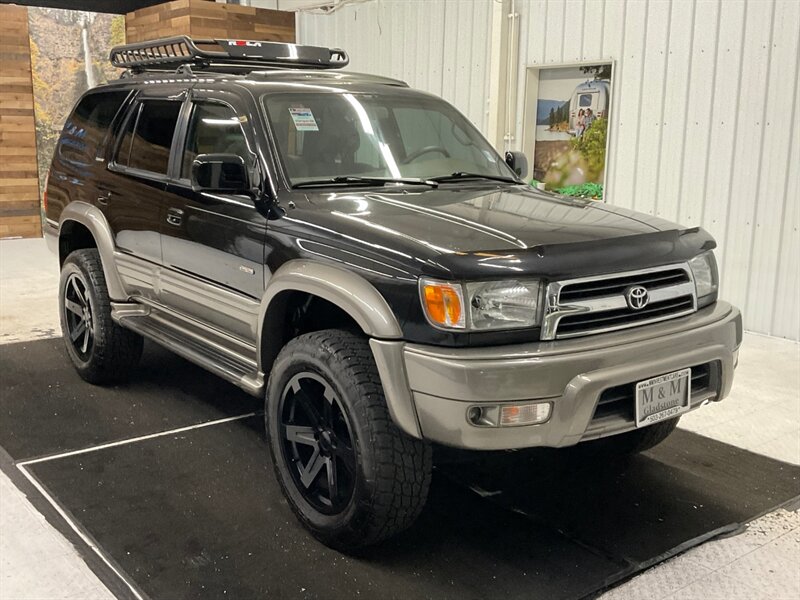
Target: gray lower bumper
(430, 388)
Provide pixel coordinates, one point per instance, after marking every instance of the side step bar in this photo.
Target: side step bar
(194, 343)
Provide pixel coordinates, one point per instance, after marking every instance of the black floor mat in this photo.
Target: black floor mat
(46, 408)
(199, 514)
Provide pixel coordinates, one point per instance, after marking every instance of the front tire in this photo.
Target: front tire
(101, 351)
(349, 474)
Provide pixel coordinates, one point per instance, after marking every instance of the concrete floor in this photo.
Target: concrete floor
(762, 415)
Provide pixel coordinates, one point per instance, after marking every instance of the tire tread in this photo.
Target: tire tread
(403, 463)
(117, 350)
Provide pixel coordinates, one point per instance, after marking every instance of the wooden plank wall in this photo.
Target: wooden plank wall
(20, 213)
(201, 18)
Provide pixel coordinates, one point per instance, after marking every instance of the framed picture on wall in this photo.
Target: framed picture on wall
(566, 126)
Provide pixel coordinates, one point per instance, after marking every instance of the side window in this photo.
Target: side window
(86, 127)
(213, 128)
(124, 148)
(147, 139)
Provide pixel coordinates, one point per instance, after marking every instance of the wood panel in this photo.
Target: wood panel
(20, 209)
(201, 18)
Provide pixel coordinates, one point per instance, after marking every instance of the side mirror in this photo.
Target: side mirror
(220, 173)
(518, 163)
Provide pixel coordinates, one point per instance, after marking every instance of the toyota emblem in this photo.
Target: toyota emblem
(637, 297)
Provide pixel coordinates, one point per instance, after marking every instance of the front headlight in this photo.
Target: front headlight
(704, 270)
(503, 304)
(481, 306)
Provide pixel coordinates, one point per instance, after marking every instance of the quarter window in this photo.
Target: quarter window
(86, 127)
(148, 136)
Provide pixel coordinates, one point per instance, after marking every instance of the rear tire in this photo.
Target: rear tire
(101, 350)
(349, 474)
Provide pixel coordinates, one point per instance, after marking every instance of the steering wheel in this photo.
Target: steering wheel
(425, 150)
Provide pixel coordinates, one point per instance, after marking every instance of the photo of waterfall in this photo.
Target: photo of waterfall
(69, 55)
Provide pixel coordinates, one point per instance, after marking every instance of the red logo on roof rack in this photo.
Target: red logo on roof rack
(244, 43)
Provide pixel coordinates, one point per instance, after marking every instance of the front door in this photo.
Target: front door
(213, 244)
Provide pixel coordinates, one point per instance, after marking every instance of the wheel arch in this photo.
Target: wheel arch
(363, 306)
(78, 219)
(347, 291)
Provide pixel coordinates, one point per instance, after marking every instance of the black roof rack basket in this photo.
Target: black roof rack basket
(223, 55)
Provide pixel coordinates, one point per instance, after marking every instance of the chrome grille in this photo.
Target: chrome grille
(598, 304)
(617, 285)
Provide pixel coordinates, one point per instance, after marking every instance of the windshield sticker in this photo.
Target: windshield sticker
(489, 156)
(303, 119)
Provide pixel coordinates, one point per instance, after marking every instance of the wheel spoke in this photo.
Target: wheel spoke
(333, 486)
(86, 336)
(78, 293)
(73, 307)
(309, 473)
(348, 458)
(80, 328)
(301, 434)
(309, 409)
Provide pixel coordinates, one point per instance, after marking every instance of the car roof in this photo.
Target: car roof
(260, 81)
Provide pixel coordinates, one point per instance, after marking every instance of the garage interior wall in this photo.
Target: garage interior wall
(704, 124)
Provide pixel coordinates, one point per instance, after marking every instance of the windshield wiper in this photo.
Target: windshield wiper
(464, 175)
(353, 180)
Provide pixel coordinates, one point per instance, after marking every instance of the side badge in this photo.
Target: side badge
(247, 270)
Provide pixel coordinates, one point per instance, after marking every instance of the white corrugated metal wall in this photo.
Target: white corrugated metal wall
(440, 46)
(704, 128)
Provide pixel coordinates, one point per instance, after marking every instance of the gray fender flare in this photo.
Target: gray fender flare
(95, 221)
(358, 298)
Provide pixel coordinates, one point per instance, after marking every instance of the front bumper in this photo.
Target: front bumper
(429, 388)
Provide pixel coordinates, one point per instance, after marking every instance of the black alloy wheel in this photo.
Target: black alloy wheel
(317, 442)
(78, 315)
(349, 474)
(101, 350)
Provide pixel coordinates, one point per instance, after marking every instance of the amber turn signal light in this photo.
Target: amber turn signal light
(443, 303)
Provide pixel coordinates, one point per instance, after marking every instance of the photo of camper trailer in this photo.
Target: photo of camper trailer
(590, 95)
(572, 110)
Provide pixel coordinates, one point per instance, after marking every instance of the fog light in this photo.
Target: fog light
(524, 414)
(508, 415)
(483, 416)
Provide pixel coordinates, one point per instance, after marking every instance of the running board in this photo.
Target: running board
(194, 343)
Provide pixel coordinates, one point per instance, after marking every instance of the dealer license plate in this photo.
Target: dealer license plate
(663, 397)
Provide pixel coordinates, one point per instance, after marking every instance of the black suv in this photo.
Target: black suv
(356, 253)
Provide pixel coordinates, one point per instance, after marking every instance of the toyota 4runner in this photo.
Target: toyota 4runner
(358, 255)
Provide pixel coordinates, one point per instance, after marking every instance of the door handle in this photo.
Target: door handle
(174, 216)
(103, 198)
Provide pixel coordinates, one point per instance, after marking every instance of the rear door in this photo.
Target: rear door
(213, 244)
(133, 194)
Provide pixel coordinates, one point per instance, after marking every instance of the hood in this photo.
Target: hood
(481, 232)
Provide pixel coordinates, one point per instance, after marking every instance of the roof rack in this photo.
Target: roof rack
(223, 55)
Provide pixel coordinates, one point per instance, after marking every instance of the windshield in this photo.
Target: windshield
(322, 136)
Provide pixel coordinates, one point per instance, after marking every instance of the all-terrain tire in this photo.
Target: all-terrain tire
(111, 351)
(392, 469)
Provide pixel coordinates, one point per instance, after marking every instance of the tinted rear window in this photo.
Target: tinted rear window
(86, 127)
(148, 135)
